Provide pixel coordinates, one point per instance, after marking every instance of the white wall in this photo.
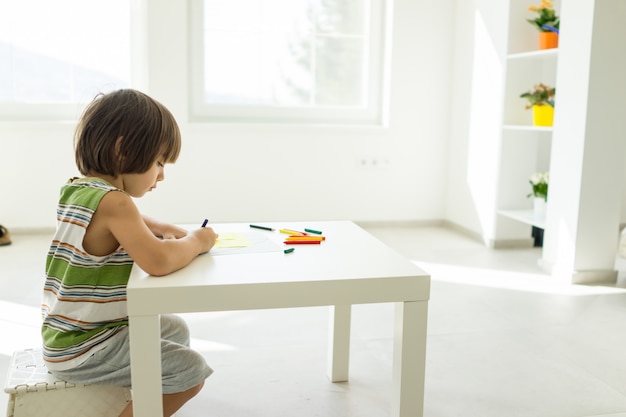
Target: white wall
(257, 173)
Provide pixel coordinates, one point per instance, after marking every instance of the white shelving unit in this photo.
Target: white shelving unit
(584, 151)
(525, 149)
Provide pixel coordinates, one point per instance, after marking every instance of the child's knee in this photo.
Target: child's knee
(192, 392)
(175, 329)
(196, 390)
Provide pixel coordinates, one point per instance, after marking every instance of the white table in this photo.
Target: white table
(350, 267)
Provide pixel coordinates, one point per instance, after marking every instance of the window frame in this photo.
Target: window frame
(377, 72)
(71, 111)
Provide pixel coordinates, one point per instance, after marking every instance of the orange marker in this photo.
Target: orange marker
(290, 238)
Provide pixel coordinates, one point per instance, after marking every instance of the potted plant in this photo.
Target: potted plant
(539, 182)
(547, 22)
(541, 100)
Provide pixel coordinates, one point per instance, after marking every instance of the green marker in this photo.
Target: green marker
(317, 232)
(289, 250)
(262, 227)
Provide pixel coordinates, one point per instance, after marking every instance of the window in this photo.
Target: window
(57, 54)
(295, 61)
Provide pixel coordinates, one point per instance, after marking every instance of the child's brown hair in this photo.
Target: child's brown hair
(124, 132)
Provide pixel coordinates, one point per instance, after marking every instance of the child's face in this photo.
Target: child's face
(139, 184)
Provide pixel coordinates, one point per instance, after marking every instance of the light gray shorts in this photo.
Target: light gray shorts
(182, 367)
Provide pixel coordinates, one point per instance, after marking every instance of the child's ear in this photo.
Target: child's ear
(118, 146)
(119, 157)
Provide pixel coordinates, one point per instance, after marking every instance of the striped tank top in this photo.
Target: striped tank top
(84, 296)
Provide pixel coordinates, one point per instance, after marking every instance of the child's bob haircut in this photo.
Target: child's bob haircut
(125, 132)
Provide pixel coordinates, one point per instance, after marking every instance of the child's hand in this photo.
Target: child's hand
(206, 236)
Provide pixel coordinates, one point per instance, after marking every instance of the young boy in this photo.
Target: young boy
(122, 143)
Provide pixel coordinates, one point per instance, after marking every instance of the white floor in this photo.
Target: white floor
(504, 340)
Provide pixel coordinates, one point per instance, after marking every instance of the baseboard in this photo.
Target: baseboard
(464, 231)
(399, 223)
(31, 231)
(589, 277)
(512, 243)
(490, 243)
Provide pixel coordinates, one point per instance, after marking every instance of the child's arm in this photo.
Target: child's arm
(118, 215)
(164, 230)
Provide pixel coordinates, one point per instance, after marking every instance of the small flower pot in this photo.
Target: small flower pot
(539, 208)
(548, 40)
(543, 115)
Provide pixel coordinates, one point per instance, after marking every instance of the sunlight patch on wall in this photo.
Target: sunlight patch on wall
(485, 121)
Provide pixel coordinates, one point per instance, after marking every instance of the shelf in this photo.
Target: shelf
(539, 54)
(528, 128)
(524, 216)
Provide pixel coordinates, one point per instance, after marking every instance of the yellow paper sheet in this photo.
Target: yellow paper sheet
(232, 240)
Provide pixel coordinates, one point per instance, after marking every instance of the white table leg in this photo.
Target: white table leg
(339, 343)
(409, 359)
(145, 365)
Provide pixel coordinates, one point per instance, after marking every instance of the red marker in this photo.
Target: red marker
(302, 242)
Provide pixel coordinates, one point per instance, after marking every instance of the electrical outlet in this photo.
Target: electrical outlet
(372, 162)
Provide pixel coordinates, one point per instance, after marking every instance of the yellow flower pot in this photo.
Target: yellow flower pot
(543, 115)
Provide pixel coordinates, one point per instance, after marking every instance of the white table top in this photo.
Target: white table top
(349, 267)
